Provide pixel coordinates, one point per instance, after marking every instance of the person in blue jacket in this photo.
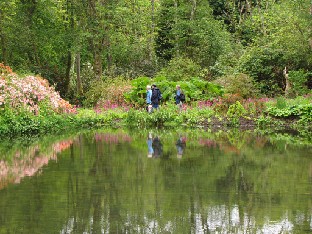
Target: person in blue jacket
(179, 97)
(148, 99)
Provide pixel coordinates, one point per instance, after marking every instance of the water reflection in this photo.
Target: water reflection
(29, 161)
(102, 182)
(154, 145)
(180, 145)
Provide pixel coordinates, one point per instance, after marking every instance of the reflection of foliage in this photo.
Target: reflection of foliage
(112, 138)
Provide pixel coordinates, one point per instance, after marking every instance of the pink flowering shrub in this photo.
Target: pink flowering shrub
(30, 94)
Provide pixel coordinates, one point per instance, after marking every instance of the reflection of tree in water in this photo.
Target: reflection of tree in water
(28, 162)
(112, 138)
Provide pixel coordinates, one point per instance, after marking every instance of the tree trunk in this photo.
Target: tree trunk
(67, 73)
(2, 40)
(194, 4)
(287, 83)
(176, 46)
(3, 49)
(108, 49)
(262, 19)
(79, 83)
(96, 42)
(152, 31)
(97, 66)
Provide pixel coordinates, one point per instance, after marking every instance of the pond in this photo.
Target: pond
(156, 181)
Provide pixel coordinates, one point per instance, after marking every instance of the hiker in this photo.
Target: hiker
(179, 97)
(148, 99)
(156, 97)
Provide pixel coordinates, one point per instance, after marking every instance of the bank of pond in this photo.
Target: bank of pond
(296, 117)
(156, 180)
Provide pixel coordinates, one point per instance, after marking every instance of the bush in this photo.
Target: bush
(195, 89)
(181, 69)
(31, 94)
(298, 80)
(240, 84)
(112, 89)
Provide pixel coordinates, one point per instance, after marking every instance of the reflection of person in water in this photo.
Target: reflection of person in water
(150, 145)
(157, 146)
(181, 143)
(154, 146)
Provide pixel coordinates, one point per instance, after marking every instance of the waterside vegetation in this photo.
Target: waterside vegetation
(29, 105)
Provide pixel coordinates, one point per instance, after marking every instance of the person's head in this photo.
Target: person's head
(153, 86)
(148, 87)
(178, 87)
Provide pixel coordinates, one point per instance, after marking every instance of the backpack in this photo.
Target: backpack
(182, 97)
(156, 96)
(159, 95)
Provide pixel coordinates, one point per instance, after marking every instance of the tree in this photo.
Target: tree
(280, 39)
(188, 29)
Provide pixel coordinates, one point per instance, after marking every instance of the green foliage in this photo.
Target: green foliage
(222, 104)
(281, 102)
(264, 65)
(158, 118)
(240, 84)
(235, 111)
(278, 41)
(112, 89)
(26, 123)
(138, 92)
(194, 89)
(299, 108)
(184, 31)
(168, 115)
(181, 69)
(298, 80)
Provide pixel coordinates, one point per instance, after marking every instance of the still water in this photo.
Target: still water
(153, 181)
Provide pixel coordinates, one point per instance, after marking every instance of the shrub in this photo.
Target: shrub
(221, 105)
(180, 69)
(195, 89)
(236, 110)
(298, 80)
(241, 84)
(112, 89)
(31, 94)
